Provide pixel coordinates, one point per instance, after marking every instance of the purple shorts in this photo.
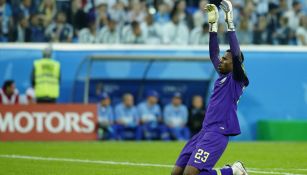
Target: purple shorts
(203, 150)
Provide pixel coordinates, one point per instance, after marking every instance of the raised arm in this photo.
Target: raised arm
(237, 56)
(214, 49)
(237, 59)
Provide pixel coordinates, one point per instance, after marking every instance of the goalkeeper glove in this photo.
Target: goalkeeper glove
(213, 17)
(227, 8)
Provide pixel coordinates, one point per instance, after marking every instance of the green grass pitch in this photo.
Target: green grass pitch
(89, 158)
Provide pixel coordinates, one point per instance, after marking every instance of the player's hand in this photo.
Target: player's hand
(213, 16)
(227, 8)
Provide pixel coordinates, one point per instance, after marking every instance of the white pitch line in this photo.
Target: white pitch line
(253, 170)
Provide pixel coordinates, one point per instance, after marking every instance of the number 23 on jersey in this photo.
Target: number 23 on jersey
(202, 155)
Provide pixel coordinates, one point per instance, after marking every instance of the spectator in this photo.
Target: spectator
(105, 118)
(282, 8)
(109, 34)
(9, 94)
(127, 119)
(175, 118)
(260, 33)
(301, 32)
(162, 16)
(199, 16)
(152, 30)
(200, 35)
(118, 12)
(283, 33)
(37, 29)
(46, 78)
(272, 23)
(6, 20)
(30, 96)
(245, 35)
(89, 34)
(78, 16)
(101, 13)
(22, 32)
(196, 114)
(137, 11)
(24, 9)
(60, 30)
(150, 116)
(133, 34)
(294, 15)
(49, 10)
(184, 17)
(175, 32)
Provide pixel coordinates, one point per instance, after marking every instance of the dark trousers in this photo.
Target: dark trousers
(46, 100)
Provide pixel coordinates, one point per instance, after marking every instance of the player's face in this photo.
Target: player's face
(225, 65)
(128, 101)
(152, 100)
(176, 101)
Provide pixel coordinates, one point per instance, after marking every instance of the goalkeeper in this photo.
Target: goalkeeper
(201, 153)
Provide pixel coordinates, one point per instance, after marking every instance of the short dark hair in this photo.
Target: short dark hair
(134, 24)
(7, 84)
(242, 56)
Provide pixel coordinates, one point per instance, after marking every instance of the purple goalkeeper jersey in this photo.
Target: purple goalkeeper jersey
(221, 115)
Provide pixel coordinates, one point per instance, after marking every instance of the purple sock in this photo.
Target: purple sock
(224, 171)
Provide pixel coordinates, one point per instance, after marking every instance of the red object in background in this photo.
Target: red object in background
(69, 122)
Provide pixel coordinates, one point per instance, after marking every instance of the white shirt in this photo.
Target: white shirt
(198, 37)
(152, 33)
(301, 31)
(293, 19)
(128, 37)
(85, 36)
(175, 34)
(106, 36)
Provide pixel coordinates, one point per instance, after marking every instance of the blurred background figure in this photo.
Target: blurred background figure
(37, 28)
(6, 20)
(89, 34)
(175, 116)
(127, 119)
(30, 96)
(46, 78)
(196, 114)
(21, 31)
(151, 30)
(105, 118)
(175, 32)
(60, 30)
(48, 9)
(200, 35)
(199, 16)
(109, 34)
(301, 31)
(9, 94)
(133, 34)
(150, 116)
(101, 13)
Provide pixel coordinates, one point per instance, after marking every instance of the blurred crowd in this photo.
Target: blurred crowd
(147, 120)
(277, 22)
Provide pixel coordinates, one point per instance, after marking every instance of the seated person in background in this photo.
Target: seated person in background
(105, 118)
(196, 114)
(175, 119)
(126, 119)
(150, 115)
(60, 30)
(9, 94)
